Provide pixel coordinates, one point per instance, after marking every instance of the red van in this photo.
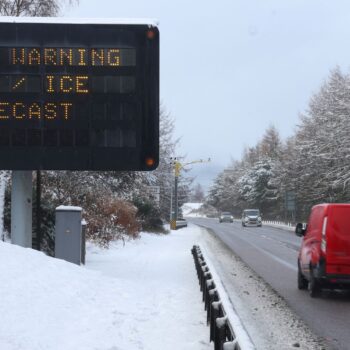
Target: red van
(324, 256)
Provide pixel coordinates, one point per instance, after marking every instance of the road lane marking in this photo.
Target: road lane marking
(274, 257)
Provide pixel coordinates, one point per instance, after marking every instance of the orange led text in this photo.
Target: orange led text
(35, 110)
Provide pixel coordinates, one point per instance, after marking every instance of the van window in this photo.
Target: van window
(315, 220)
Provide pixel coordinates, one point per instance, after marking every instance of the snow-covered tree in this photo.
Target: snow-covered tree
(313, 164)
(198, 194)
(321, 152)
(252, 182)
(163, 176)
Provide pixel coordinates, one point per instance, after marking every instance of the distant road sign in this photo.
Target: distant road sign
(290, 201)
(154, 193)
(78, 96)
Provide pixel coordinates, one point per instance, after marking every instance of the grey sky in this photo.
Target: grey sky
(231, 68)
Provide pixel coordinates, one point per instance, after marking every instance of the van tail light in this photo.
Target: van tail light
(323, 241)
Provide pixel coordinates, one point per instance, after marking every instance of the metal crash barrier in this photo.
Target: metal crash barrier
(221, 330)
(176, 224)
(181, 223)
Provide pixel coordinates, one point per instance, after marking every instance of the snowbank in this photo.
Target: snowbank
(141, 296)
(191, 209)
(280, 224)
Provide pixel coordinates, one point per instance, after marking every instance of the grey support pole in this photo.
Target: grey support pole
(176, 198)
(38, 210)
(171, 202)
(21, 208)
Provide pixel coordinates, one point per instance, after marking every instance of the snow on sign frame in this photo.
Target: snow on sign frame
(79, 94)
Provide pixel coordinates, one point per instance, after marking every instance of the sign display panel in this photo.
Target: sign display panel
(79, 96)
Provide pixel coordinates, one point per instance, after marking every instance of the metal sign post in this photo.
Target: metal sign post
(290, 205)
(21, 208)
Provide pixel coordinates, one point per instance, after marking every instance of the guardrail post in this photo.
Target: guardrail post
(220, 332)
(206, 277)
(214, 314)
(195, 258)
(209, 285)
(204, 270)
(230, 345)
(213, 296)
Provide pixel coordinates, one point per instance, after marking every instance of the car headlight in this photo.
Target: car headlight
(259, 218)
(246, 219)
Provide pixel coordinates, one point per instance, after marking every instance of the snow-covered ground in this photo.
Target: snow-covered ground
(191, 209)
(144, 295)
(280, 224)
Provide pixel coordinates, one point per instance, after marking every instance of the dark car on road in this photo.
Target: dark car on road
(226, 217)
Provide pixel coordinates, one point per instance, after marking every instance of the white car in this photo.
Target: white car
(251, 217)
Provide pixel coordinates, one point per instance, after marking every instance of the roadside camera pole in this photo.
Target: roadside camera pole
(177, 174)
(21, 208)
(171, 203)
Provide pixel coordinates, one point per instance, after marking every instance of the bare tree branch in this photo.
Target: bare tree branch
(33, 8)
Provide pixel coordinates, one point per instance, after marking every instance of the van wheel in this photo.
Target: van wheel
(302, 281)
(314, 286)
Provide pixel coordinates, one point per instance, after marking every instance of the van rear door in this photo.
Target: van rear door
(338, 240)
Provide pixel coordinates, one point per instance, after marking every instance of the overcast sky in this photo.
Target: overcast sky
(231, 68)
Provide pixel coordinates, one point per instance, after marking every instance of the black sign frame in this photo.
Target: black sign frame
(116, 129)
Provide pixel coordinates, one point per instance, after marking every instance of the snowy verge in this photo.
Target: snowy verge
(191, 209)
(143, 295)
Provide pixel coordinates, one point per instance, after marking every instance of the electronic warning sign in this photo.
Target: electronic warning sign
(79, 96)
